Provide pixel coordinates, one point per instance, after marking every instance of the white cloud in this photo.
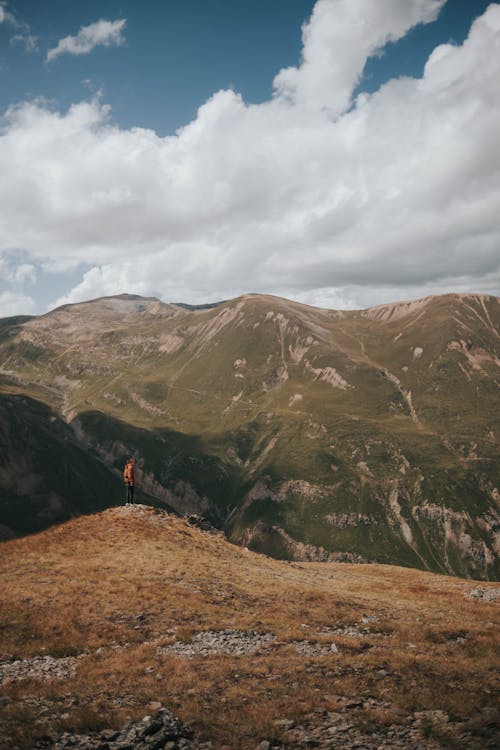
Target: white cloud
(24, 274)
(23, 33)
(30, 41)
(400, 191)
(14, 303)
(101, 33)
(6, 15)
(13, 268)
(338, 39)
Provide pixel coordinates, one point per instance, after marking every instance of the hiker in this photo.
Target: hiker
(129, 479)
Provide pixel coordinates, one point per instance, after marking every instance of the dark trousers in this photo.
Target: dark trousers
(129, 493)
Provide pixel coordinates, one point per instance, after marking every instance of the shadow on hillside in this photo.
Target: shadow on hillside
(173, 468)
(51, 471)
(46, 475)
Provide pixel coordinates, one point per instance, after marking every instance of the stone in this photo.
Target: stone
(155, 732)
(489, 594)
(152, 727)
(284, 724)
(354, 703)
(109, 734)
(205, 643)
(44, 668)
(334, 716)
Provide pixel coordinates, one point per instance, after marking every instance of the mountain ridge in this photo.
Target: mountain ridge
(295, 428)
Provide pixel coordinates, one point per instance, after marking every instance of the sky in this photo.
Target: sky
(342, 153)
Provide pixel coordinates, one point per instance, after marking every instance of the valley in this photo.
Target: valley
(304, 433)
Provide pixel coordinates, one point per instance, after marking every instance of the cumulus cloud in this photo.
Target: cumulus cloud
(25, 273)
(14, 269)
(308, 195)
(101, 33)
(338, 39)
(14, 303)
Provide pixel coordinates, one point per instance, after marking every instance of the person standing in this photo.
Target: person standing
(129, 479)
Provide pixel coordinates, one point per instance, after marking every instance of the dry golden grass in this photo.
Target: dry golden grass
(142, 578)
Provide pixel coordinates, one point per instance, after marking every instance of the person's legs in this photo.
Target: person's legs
(126, 494)
(131, 487)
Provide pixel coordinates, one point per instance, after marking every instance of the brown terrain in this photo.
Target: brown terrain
(133, 612)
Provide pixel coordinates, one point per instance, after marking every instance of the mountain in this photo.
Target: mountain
(301, 432)
(110, 617)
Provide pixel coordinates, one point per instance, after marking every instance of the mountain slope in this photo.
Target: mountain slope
(107, 617)
(305, 433)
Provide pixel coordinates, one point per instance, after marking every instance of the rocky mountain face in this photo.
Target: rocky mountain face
(304, 433)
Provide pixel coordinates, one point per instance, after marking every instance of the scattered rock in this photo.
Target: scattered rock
(432, 717)
(201, 523)
(307, 648)
(285, 724)
(353, 631)
(45, 668)
(234, 642)
(151, 733)
(240, 643)
(489, 595)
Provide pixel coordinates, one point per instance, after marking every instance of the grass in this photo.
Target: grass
(195, 417)
(138, 578)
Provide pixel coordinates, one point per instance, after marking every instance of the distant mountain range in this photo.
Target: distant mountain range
(303, 433)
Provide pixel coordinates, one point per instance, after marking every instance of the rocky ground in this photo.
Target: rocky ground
(325, 730)
(163, 731)
(200, 645)
(337, 729)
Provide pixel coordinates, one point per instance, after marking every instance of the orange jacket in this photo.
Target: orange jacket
(128, 473)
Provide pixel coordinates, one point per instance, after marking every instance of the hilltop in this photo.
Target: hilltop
(308, 434)
(113, 616)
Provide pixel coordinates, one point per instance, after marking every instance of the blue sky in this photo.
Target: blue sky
(176, 54)
(253, 162)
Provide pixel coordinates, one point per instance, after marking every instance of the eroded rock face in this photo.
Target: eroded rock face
(461, 542)
(457, 530)
(261, 536)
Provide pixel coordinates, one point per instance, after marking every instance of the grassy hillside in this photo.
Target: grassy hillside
(305, 433)
(120, 599)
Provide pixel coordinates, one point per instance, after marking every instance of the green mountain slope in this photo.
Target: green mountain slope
(304, 433)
